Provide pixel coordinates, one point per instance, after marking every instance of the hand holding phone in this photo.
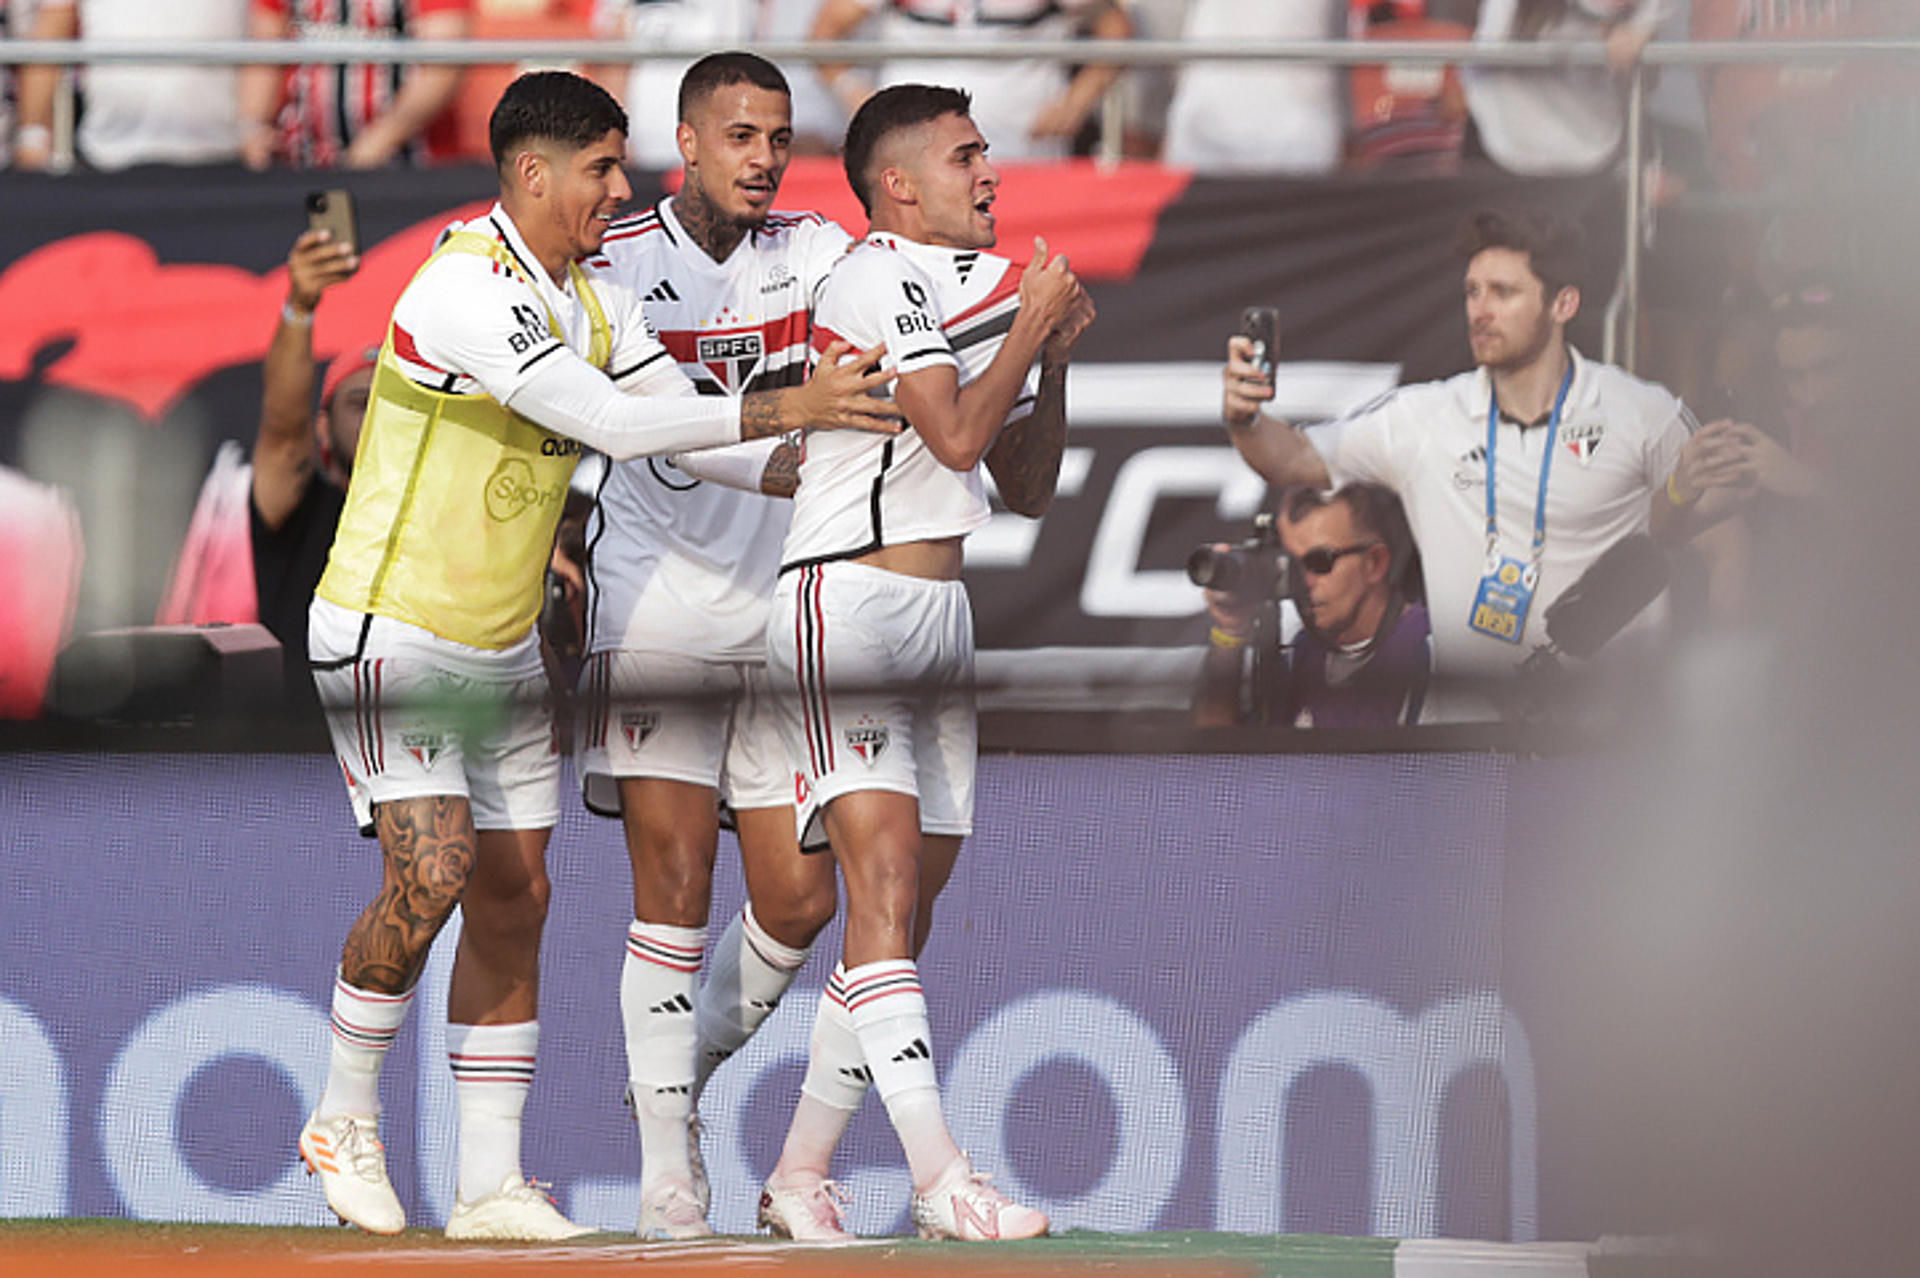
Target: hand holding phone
(332, 211)
(1261, 326)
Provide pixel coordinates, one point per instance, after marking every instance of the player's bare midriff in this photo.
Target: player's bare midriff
(936, 560)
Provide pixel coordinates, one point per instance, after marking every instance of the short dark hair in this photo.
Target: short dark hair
(1376, 512)
(730, 67)
(551, 106)
(1556, 248)
(896, 107)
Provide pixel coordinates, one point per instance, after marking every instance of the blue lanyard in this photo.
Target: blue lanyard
(1546, 465)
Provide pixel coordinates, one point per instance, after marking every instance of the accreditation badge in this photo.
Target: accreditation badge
(1500, 606)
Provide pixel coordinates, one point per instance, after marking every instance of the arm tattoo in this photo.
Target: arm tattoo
(428, 849)
(760, 415)
(781, 478)
(1025, 460)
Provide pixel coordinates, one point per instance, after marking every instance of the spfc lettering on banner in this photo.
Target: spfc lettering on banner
(732, 357)
(867, 739)
(638, 725)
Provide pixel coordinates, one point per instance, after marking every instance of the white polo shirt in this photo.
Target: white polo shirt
(1618, 440)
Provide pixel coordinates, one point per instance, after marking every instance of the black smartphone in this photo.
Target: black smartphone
(1261, 326)
(332, 211)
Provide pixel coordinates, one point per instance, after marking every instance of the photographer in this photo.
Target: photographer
(1363, 653)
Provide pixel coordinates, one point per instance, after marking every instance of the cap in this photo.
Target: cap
(345, 365)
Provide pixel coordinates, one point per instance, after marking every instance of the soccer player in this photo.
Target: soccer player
(870, 640)
(678, 584)
(501, 361)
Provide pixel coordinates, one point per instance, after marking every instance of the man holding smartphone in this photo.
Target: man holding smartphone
(302, 458)
(503, 360)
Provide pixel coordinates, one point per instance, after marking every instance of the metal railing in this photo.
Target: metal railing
(1622, 316)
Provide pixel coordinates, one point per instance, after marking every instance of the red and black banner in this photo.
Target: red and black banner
(153, 293)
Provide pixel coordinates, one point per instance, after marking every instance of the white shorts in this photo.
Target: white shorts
(414, 715)
(874, 672)
(660, 714)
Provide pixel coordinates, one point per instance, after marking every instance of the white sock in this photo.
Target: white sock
(492, 1073)
(746, 977)
(890, 1016)
(836, 1083)
(364, 1023)
(656, 1006)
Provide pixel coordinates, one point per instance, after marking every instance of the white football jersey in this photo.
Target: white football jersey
(675, 564)
(930, 306)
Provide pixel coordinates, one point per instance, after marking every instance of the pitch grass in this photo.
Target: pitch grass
(135, 1249)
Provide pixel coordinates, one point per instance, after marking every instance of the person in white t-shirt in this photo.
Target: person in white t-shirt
(678, 716)
(1515, 476)
(870, 641)
(503, 360)
(172, 114)
(1031, 107)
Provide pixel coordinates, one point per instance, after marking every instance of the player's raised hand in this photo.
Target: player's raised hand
(1048, 289)
(1060, 341)
(1247, 387)
(843, 392)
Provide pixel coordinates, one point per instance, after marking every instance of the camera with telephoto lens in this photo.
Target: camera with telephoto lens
(1256, 568)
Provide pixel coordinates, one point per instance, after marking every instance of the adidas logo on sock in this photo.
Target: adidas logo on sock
(917, 1050)
(858, 1073)
(663, 292)
(677, 1005)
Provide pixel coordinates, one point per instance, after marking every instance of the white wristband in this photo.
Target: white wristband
(33, 137)
(293, 316)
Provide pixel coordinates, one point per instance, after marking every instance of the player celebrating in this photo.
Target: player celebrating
(871, 626)
(501, 360)
(679, 577)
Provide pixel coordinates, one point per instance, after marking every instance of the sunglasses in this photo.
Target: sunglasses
(1320, 560)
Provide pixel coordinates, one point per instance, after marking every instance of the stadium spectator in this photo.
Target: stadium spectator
(1362, 656)
(1411, 118)
(260, 531)
(351, 115)
(303, 458)
(1031, 109)
(503, 360)
(870, 640)
(1515, 476)
(1557, 120)
(680, 711)
(1234, 117)
(41, 554)
(133, 113)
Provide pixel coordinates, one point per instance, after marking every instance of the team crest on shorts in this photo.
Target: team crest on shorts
(638, 725)
(424, 746)
(867, 739)
(1583, 439)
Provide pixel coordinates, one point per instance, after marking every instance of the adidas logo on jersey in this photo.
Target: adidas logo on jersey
(662, 292)
(963, 264)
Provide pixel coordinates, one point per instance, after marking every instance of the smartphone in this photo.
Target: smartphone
(332, 211)
(1261, 326)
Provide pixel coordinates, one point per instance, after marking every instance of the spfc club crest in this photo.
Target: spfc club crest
(732, 357)
(638, 725)
(424, 746)
(1583, 439)
(867, 739)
